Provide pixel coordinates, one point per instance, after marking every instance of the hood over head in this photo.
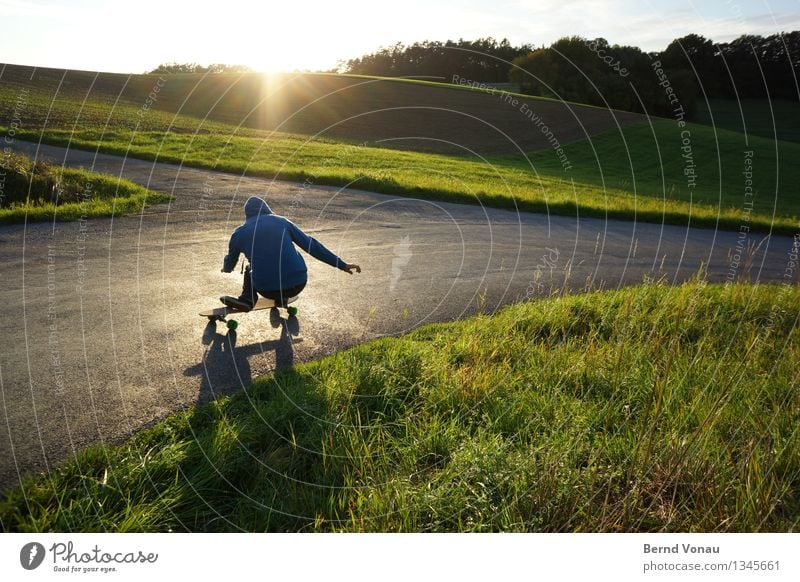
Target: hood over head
(256, 206)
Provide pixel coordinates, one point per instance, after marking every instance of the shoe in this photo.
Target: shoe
(236, 303)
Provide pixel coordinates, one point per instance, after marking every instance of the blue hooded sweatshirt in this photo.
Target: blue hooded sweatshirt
(266, 240)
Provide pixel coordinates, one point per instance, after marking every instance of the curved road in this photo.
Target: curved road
(102, 335)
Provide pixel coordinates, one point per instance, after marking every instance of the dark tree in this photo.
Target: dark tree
(597, 73)
(594, 72)
(483, 60)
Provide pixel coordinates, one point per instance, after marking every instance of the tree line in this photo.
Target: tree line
(172, 68)
(593, 71)
(485, 60)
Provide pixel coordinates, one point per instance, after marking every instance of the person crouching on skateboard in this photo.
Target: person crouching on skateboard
(276, 271)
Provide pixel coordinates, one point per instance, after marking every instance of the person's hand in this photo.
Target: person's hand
(352, 267)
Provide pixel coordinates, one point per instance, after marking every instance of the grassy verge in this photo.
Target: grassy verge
(636, 173)
(37, 191)
(644, 409)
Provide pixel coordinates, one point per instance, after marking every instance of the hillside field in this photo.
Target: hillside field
(399, 137)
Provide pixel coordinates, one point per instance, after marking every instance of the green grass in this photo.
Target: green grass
(775, 119)
(28, 193)
(641, 169)
(603, 182)
(635, 173)
(645, 409)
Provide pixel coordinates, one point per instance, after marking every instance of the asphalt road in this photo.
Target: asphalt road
(102, 335)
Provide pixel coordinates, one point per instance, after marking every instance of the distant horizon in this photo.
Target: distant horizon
(93, 35)
(329, 71)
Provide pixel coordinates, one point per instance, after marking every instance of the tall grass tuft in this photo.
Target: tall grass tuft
(35, 190)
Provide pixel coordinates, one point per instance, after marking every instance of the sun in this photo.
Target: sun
(283, 53)
(267, 37)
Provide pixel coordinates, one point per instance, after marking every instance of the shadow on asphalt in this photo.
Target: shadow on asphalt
(225, 367)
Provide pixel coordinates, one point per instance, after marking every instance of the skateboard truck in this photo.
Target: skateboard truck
(221, 313)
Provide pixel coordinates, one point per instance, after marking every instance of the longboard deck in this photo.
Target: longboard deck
(262, 303)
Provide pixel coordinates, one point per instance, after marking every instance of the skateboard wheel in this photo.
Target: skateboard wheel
(292, 310)
(232, 324)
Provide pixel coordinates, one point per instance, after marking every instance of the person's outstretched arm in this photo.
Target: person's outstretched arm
(229, 263)
(318, 250)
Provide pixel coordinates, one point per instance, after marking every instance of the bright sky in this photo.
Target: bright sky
(132, 37)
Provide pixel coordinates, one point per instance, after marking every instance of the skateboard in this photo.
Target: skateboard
(220, 313)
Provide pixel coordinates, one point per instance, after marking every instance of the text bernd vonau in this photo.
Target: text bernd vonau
(681, 549)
